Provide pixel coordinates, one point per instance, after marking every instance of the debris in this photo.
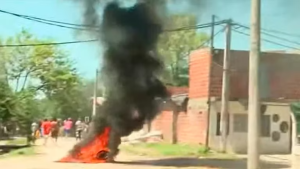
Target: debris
(138, 137)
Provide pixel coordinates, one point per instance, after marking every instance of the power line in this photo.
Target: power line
(58, 25)
(269, 41)
(46, 20)
(271, 35)
(276, 31)
(280, 32)
(268, 34)
(201, 26)
(49, 44)
(95, 28)
(93, 40)
(216, 34)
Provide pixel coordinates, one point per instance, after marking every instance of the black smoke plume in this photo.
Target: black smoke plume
(130, 68)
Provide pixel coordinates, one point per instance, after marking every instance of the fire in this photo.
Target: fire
(95, 152)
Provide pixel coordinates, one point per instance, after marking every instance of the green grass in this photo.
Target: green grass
(173, 150)
(165, 149)
(18, 141)
(20, 152)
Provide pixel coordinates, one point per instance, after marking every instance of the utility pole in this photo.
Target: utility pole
(225, 88)
(254, 114)
(212, 34)
(95, 94)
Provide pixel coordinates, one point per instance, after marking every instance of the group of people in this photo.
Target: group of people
(53, 129)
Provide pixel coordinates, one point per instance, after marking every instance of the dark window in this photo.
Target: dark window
(266, 126)
(218, 132)
(240, 122)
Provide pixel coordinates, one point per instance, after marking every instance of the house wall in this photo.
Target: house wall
(279, 75)
(237, 140)
(199, 64)
(280, 78)
(191, 125)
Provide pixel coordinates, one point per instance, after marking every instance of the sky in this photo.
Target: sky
(276, 15)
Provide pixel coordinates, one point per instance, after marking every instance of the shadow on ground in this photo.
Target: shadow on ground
(207, 162)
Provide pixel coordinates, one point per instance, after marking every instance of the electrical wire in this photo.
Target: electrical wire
(280, 32)
(269, 41)
(95, 28)
(216, 34)
(201, 26)
(270, 35)
(275, 31)
(46, 20)
(49, 44)
(94, 40)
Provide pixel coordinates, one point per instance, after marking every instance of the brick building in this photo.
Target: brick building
(280, 84)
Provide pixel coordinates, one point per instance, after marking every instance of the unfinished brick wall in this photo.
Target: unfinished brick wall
(191, 127)
(188, 125)
(163, 123)
(199, 73)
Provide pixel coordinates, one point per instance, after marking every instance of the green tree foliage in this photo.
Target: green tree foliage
(7, 103)
(175, 47)
(38, 82)
(27, 110)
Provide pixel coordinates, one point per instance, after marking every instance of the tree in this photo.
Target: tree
(175, 47)
(34, 72)
(7, 103)
(27, 110)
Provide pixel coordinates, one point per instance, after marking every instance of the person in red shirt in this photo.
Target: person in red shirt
(47, 126)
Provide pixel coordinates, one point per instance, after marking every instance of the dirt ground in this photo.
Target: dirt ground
(47, 155)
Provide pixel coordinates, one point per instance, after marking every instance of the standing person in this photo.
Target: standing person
(60, 127)
(46, 126)
(34, 129)
(68, 126)
(86, 128)
(79, 125)
(40, 128)
(64, 126)
(54, 129)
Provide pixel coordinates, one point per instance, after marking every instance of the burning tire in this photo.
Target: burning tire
(102, 155)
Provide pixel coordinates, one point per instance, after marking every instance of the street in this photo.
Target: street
(47, 155)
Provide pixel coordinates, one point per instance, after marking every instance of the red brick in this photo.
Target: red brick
(283, 82)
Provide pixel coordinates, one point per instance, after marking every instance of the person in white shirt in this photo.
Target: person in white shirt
(79, 125)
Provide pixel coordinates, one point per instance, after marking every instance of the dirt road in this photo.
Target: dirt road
(47, 155)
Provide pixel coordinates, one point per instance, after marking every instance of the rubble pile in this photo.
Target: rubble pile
(143, 137)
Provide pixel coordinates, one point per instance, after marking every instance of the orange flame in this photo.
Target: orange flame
(95, 152)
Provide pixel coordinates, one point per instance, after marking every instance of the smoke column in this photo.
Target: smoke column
(130, 68)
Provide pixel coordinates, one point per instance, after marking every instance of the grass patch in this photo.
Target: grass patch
(165, 149)
(17, 141)
(24, 152)
(173, 150)
(20, 152)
